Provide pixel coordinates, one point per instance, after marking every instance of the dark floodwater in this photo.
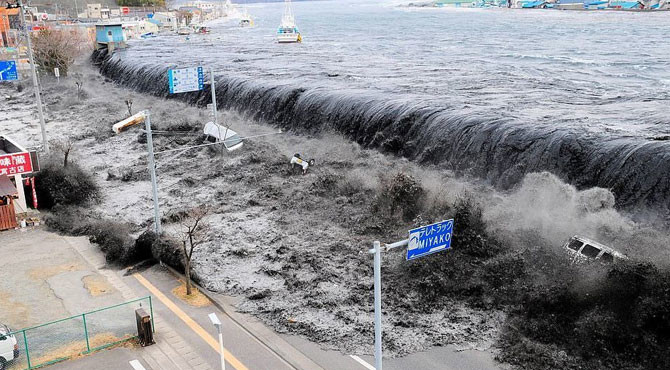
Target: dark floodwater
(498, 92)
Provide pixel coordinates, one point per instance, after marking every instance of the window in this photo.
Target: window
(590, 251)
(607, 257)
(109, 33)
(574, 244)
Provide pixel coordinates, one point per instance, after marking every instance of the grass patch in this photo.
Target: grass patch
(196, 299)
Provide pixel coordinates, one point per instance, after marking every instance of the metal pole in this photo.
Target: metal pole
(378, 305)
(88, 345)
(38, 97)
(213, 85)
(152, 171)
(223, 359)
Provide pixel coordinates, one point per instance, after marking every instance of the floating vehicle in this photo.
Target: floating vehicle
(217, 133)
(184, 31)
(583, 250)
(288, 32)
(148, 35)
(202, 29)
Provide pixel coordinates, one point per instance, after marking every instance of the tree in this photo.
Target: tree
(65, 147)
(193, 230)
(79, 82)
(57, 49)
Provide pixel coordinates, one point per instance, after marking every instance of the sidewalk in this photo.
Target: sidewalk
(171, 351)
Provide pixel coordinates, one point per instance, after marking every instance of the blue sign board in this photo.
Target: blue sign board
(8, 70)
(186, 79)
(429, 239)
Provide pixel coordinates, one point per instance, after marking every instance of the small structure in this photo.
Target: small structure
(109, 36)
(16, 161)
(7, 213)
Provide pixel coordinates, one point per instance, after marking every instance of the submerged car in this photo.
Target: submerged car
(583, 249)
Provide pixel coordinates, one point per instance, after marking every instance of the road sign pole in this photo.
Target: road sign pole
(213, 86)
(152, 171)
(38, 96)
(378, 304)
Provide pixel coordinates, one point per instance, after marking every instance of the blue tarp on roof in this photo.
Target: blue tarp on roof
(595, 3)
(626, 5)
(157, 23)
(532, 4)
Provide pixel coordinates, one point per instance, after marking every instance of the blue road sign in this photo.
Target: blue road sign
(186, 79)
(429, 239)
(8, 70)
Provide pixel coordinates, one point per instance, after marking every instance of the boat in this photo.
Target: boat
(245, 19)
(184, 31)
(288, 32)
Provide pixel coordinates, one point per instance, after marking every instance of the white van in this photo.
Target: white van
(9, 349)
(584, 249)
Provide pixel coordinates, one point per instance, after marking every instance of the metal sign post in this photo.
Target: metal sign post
(213, 87)
(422, 241)
(152, 171)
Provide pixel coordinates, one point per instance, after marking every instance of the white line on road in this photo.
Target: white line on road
(362, 362)
(137, 365)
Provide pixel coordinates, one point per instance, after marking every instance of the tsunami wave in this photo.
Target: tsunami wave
(498, 149)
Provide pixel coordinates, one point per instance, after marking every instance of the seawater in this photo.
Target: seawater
(496, 92)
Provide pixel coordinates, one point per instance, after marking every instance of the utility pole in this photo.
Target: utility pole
(152, 171)
(38, 96)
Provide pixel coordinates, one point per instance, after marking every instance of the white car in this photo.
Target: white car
(584, 249)
(9, 349)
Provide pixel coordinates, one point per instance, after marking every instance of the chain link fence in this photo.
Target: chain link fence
(59, 340)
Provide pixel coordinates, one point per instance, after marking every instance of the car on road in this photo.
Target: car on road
(583, 250)
(9, 349)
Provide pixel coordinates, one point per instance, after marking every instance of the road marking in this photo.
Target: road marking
(190, 322)
(362, 362)
(137, 365)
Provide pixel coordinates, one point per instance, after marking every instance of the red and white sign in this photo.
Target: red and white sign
(125, 10)
(15, 164)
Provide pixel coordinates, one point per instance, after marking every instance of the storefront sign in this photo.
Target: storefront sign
(15, 164)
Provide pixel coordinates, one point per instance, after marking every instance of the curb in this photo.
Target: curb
(268, 338)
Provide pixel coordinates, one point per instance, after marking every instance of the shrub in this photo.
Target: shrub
(402, 193)
(168, 251)
(69, 185)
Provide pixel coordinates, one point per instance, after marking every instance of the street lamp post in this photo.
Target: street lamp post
(38, 96)
(215, 320)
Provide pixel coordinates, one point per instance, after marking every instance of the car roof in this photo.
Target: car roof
(600, 246)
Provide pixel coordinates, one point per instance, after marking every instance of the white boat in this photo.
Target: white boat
(184, 31)
(288, 32)
(246, 20)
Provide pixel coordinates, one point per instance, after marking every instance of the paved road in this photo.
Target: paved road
(247, 350)
(254, 355)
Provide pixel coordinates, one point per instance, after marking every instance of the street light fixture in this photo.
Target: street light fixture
(215, 320)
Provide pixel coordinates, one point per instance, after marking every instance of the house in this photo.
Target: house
(168, 20)
(15, 162)
(9, 26)
(148, 26)
(94, 11)
(110, 36)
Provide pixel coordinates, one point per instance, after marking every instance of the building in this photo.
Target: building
(110, 36)
(94, 11)
(149, 26)
(167, 19)
(15, 162)
(10, 24)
